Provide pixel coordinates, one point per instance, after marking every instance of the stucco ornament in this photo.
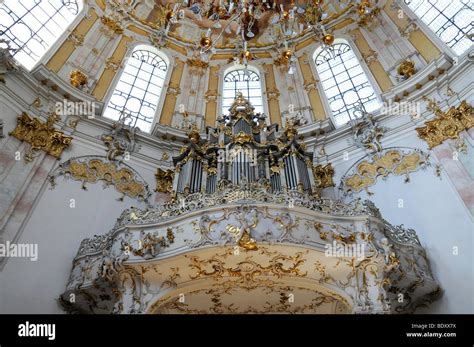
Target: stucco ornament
(234, 226)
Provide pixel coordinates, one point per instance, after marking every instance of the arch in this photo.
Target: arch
(450, 21)
(246, 80)
(138, 91)
(371, 177)
(196, 298)
(121, 176)
(253, 285)
(344, 81)
(33, 27)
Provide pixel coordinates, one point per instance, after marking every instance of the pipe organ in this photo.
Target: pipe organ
(244, 150)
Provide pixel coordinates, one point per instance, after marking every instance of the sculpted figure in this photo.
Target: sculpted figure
(108, 267)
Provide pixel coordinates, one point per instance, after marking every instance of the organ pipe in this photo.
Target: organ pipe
(242, 150)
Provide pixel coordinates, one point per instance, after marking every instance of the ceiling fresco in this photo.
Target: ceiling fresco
(267, 23)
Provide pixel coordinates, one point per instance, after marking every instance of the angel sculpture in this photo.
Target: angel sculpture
(108, 266)
(245, 240)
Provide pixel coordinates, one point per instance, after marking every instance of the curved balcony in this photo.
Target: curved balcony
(242, 238)
(323, 256)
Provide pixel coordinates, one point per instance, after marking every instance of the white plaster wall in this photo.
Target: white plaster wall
(32, 287)
(58, 229)
(441, 220)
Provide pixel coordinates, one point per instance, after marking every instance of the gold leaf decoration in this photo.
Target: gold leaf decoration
(323, 176)
(197, 66)
(124, 179)
(447, 125)
(78, 79)
(41, 136)
(407, 68)
(248, 272)
(222, 300)
(164, 180)
(391, 162)
(112, 24)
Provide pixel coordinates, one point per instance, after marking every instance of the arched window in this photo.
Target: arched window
(450, 20)
(34, 26)
(246, 81)
(138, 91)
(344, 81)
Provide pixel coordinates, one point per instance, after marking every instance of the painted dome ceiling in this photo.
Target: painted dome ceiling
(265, 23)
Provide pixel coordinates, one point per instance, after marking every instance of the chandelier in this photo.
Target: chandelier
(245, 19)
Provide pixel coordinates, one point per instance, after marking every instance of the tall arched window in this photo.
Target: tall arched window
(450, 20)
(344, 81)
(138, 91)
(34, 26)
(246, 81)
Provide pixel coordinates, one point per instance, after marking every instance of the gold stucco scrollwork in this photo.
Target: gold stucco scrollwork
(41, 136)
(323, 176)
(197, 66)
(112, 25)
(393, 162)
(446, 125)
(164, 180)
(247, 273)
(222, 300)
(124, 179)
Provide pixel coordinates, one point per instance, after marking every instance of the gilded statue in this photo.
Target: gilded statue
(446, 125)
(78, 79)
(406, 69)
(323, 175)
(243, 234)
(247, 242)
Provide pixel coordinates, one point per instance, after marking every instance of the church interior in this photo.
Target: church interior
(236, 157)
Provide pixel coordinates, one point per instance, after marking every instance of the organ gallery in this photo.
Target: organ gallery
(236, 157)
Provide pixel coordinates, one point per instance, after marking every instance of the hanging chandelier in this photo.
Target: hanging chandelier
(241, 18)
(244, 20)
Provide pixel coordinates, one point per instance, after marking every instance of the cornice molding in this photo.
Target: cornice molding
(49, 79)
(31, 83)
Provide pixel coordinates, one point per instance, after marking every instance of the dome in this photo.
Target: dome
(216, 156)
